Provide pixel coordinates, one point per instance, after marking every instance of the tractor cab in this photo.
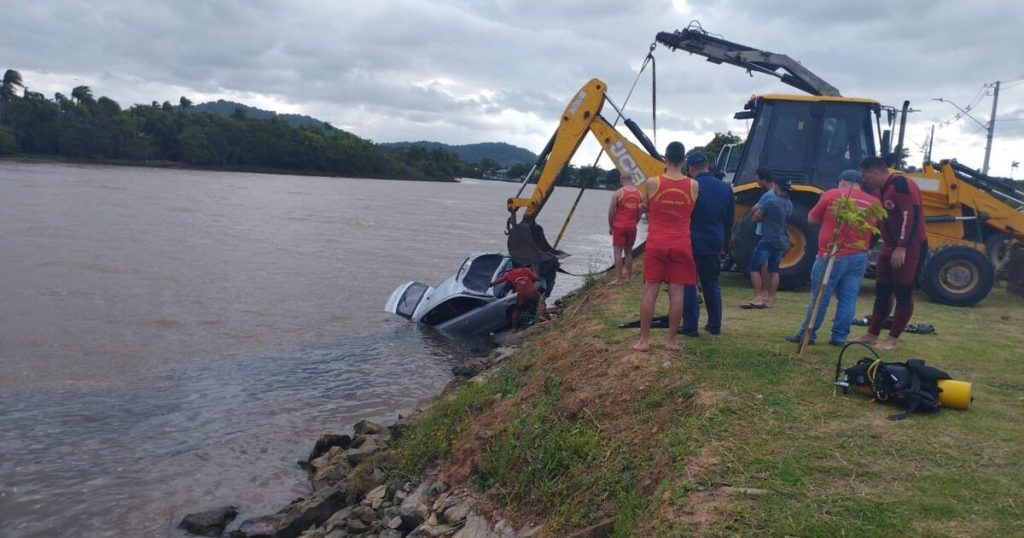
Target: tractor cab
(807, 139)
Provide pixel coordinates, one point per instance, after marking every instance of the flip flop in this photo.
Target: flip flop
(752, 306)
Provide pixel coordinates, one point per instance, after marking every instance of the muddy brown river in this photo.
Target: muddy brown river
(175, 340)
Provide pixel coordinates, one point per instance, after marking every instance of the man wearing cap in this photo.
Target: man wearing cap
(773, 213)
(766, 181)
(709, 224)
(851, 260)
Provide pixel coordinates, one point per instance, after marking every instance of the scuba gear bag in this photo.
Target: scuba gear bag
(912, 385)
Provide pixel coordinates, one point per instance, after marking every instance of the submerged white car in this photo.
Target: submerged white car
(465, 303)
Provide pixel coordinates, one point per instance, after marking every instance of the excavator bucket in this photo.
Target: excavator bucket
(527, 245)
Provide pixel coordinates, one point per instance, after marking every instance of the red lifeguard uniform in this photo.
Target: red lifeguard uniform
(627, 212)
(669, 252)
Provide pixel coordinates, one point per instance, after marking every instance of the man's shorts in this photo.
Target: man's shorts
(765, 252)
(623, 237)
(671, 265)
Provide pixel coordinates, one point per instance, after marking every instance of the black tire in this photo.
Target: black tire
(743, 242)
(797, 262)
(957, 275)
(997, 247)
(795, 271)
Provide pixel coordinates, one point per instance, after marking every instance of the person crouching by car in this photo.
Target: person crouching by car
(524, 281)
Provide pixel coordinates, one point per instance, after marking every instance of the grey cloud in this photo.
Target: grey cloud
(368, 66)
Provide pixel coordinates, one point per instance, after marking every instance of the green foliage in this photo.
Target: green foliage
(850, 216)
(712, 148)
(84, 127)
(430, 437)
(8, 143)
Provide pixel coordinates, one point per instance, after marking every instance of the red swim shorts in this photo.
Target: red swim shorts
(672, 265)
(623, 237)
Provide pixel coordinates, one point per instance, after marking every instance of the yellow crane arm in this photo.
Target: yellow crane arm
(526, 241)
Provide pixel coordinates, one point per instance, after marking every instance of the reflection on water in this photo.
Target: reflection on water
(175, 340)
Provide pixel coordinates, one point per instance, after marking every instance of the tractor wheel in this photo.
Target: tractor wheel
(795, 268)
(743, 242)
(957, 275)
(797, 262)
(997, 246)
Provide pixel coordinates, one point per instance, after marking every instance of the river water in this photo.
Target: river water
(175, 340)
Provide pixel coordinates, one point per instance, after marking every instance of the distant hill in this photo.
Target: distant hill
(504, 154)
(227, 108)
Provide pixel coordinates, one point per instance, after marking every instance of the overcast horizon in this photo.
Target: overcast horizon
(459, 72)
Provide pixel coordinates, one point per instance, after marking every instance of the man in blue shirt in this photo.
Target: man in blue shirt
(709, 231)
(774, 212)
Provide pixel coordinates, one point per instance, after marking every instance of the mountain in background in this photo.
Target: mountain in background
(227, 108)
(504, 154)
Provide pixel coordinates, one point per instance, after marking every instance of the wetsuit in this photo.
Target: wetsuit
(669, 251)
(903, 227)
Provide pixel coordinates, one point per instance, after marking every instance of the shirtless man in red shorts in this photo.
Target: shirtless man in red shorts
(668, 255)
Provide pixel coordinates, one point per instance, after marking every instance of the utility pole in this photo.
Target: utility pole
(931, 140)
(991, 128)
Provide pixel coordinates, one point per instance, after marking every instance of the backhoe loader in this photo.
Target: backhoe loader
(526, 240)
(809, 139)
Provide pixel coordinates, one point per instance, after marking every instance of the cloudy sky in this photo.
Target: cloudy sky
(461, 71)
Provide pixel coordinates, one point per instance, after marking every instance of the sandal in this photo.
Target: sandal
(752, 306)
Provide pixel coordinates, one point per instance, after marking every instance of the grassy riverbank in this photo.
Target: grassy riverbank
(733, 434)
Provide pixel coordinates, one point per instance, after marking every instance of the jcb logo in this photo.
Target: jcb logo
(627, 166)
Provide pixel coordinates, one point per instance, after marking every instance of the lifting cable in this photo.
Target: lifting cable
(649, 59)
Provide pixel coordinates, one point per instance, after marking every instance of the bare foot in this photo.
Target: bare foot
(888, 343)
(615, 282)
(867, 338)
(642, 346)
(671, 345)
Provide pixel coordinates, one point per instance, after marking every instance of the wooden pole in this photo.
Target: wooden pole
(812, 319)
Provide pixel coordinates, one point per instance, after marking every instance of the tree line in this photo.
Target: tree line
(81, 126)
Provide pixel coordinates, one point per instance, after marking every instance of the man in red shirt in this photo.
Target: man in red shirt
(851, 260)
(523, 280)
(668, 255)
(906, 243)
(623, 214)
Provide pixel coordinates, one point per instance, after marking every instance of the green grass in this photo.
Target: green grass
(742, 410)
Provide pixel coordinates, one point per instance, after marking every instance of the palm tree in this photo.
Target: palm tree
(12, 80)
(82, 94)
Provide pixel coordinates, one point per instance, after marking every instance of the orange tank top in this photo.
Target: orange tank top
(627, 209)
(668, 213)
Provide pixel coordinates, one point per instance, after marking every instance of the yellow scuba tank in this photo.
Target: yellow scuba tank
(955, 394)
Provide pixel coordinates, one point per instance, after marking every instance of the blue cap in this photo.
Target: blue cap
(695, 158)
(852, 176)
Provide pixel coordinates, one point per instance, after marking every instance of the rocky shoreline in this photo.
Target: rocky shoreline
(352, 497)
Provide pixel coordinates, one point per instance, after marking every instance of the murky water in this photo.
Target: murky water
(175, 340)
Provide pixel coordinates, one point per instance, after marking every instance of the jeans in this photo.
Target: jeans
(845, 280)
(708, 267)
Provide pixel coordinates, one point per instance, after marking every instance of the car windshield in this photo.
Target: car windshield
(481, 271)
